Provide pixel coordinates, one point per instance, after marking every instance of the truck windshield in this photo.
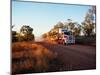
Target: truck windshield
(67, 33)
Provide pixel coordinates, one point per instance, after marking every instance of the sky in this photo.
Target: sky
(43, 16)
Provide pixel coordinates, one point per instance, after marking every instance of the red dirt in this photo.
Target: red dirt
(48, 57)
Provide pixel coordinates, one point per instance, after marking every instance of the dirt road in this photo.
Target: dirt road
(73, 57)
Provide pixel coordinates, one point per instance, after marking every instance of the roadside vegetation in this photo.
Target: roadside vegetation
(30, 57)
(25, 34)
(82, 32)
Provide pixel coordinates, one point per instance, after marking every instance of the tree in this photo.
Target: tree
(25, 30)
(74, 27)
(88, 25)
(26, 33)
(88, 29)
(59, 25)
(77, 30)
(44, 35)
(14, 33)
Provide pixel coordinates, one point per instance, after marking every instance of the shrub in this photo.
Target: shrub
(28, 57)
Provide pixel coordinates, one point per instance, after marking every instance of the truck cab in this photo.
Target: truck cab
(65, 37)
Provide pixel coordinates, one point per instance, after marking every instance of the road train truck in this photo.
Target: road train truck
(65, 37)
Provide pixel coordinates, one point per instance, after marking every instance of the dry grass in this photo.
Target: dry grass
(28, 57)
(48, 40)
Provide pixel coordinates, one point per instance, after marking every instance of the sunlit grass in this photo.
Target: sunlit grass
(28, 57)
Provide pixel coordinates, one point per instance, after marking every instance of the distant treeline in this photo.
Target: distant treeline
(86, 28)
(25, 34)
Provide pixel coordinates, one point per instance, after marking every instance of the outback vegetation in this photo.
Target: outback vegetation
(29, 56)
(25, 34)
(85, 30)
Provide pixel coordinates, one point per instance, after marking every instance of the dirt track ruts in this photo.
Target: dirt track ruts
(74, 57)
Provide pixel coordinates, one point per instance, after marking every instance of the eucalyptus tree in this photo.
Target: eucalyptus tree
(26, 33)
(88, 24)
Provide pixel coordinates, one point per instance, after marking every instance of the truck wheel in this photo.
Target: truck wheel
(65, 43)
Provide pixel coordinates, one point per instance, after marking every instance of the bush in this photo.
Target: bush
(28, 57)
(86, 40)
